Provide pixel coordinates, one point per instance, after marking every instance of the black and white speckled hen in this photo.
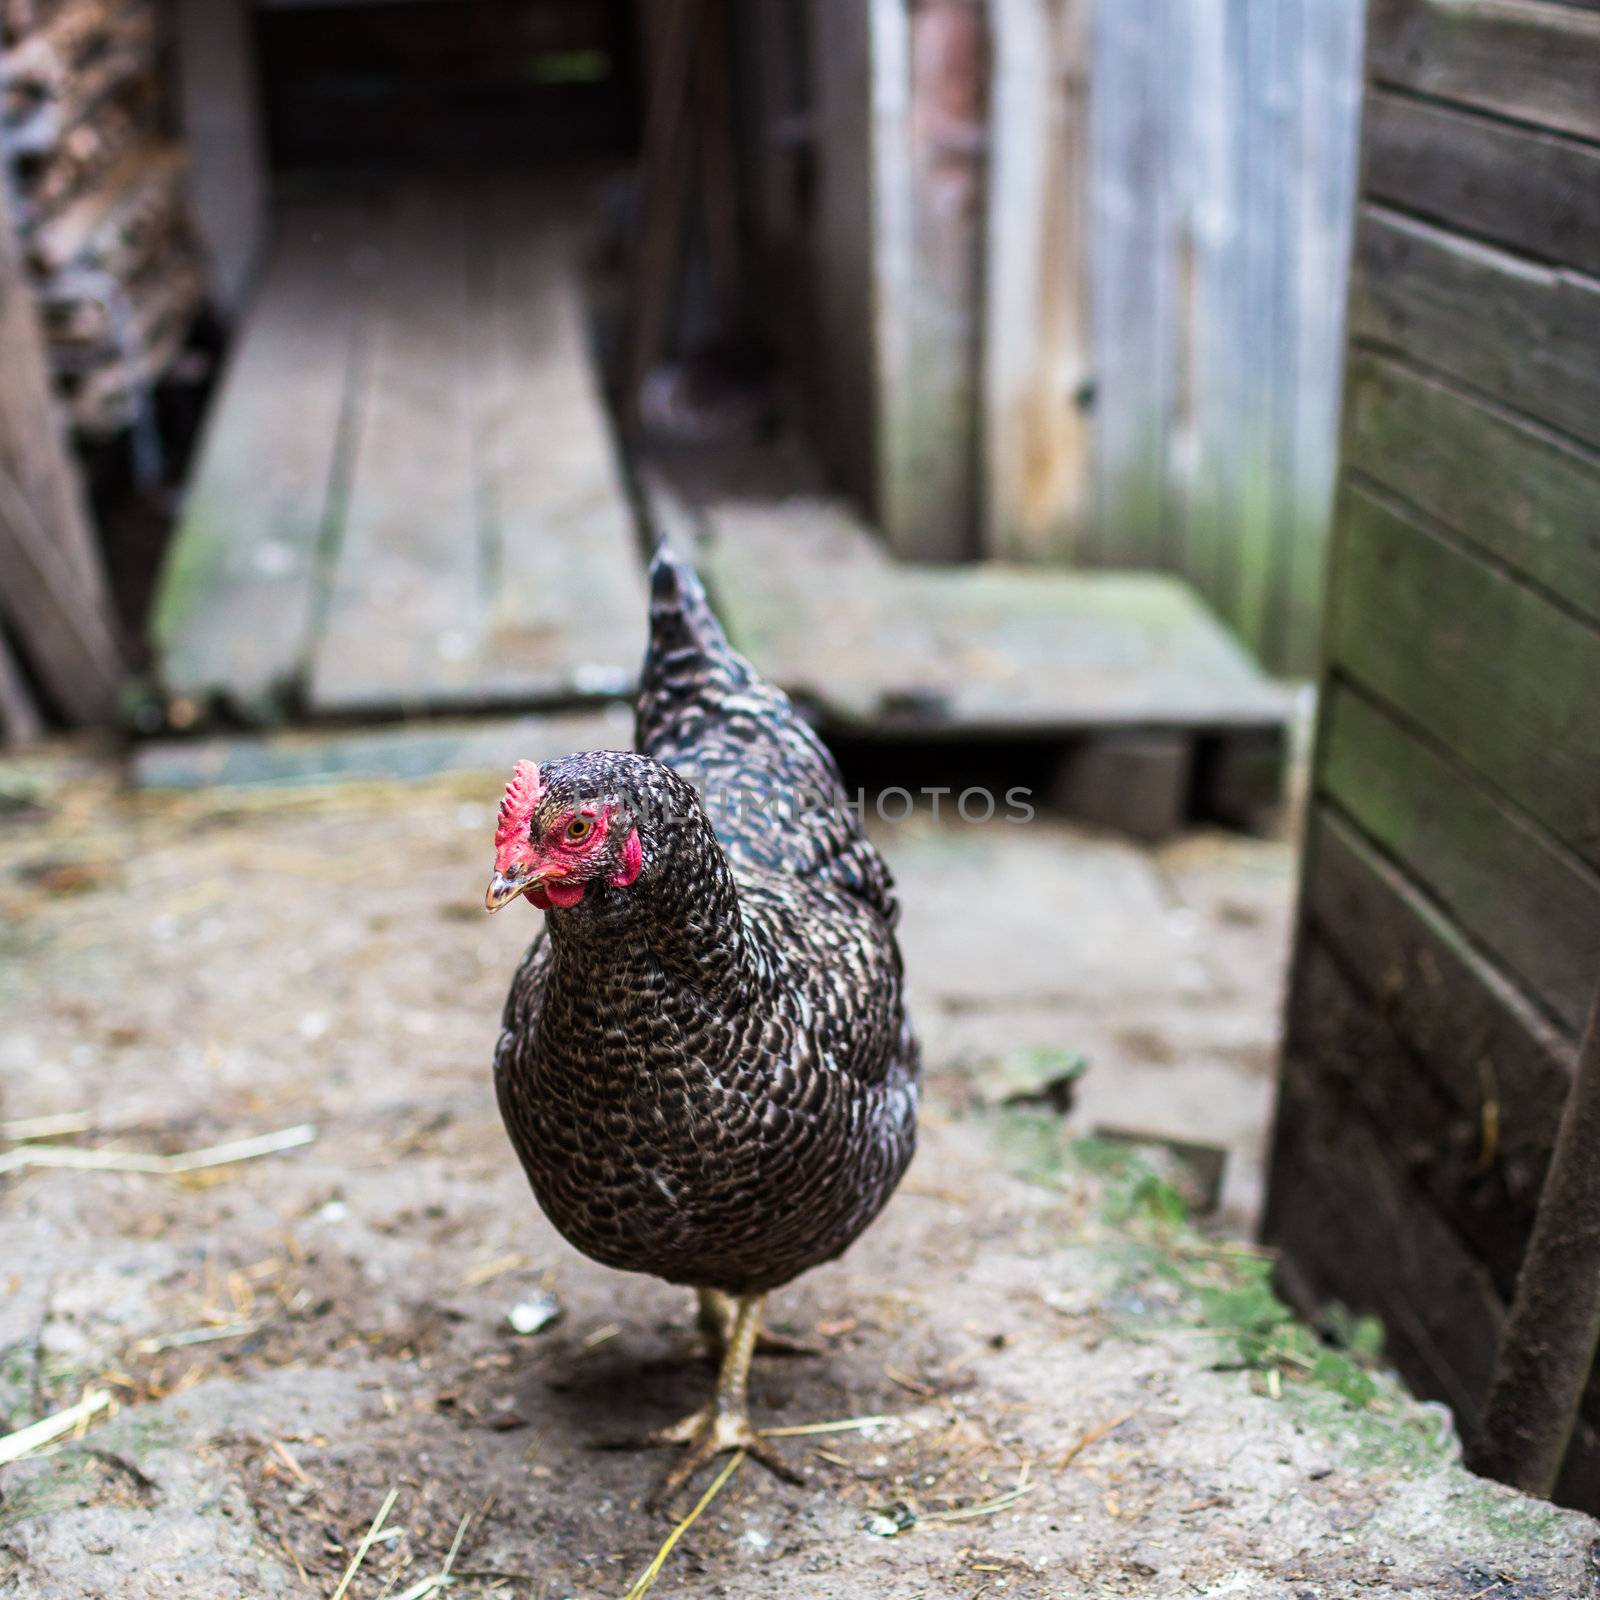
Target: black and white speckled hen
(706, 1066)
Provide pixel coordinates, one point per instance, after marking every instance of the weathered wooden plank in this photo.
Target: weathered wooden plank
(772, 79)
(755, 562)
(860, 240)
(1134, 263)
(1211, 309)
(567, 595)
(984, 648)
(1434, 1144)
(1265, 340)
(489, 555)
(1546, 1360)
(1501, 1070)
(221, 113)
(1021, 650)
(1463, 1019)
(1523, 334)
(934, 513)
(20, 721)
(1538, 193)
(1531, 904)
(1530, 60)
(53, 590)
(422, 750)
(405, 609)
(1524, 495)
(1352, 1229)
(1036, 348)
(672, 35)
(1506, 681)
(890, 214)
(1330, 115)
(236, 603)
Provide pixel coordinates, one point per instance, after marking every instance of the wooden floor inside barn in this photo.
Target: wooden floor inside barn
(407, 499)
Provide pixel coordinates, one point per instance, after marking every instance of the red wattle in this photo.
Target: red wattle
(632, 861)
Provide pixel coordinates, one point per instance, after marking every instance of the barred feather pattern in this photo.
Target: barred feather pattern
(708, 1073)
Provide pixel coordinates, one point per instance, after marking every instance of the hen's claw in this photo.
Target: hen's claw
(711, 1432)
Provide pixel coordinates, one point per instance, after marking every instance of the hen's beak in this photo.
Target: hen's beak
(504, 887)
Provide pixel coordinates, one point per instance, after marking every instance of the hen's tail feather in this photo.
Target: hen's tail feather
(680, 615)
(704, 710)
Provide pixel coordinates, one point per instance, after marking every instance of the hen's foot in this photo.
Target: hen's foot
(710, 1432)
(725, 1423)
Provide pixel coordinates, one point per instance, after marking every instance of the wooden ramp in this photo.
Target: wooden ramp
(407, 499)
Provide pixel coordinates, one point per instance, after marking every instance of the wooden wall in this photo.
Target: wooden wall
(1450, 936)
(1091, 260)
(1224, 138)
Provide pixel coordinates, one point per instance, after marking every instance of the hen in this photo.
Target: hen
(706, 1066)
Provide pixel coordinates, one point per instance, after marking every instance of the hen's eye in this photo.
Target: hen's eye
(578, 829)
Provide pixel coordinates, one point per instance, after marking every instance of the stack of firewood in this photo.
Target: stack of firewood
(100, 196)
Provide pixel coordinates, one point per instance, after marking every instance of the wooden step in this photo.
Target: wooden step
(805, 591)
(1160, 715)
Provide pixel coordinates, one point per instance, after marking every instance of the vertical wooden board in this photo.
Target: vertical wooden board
(1502, 678)
(567, 602)
(936, 512)
(1516, 491)
(770, 82)
(1537, 193)
(221, 114)
(1535, 61)
(1036, 353)
(236, 602)
(852, 148)
(1133, 289)
(1521, 334)
(406, 606)
(889, 232)
(1263, 349)
(20, 720)
(782, 167)
(1532, 905)
(53, 590)
(1210, 310)
(1330, 113)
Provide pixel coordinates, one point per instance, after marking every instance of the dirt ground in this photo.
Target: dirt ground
(1078, 1394)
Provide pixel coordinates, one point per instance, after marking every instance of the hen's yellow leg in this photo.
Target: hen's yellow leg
(724, 1424)
(715, 1320)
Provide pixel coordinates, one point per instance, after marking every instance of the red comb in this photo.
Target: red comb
(522, 795)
